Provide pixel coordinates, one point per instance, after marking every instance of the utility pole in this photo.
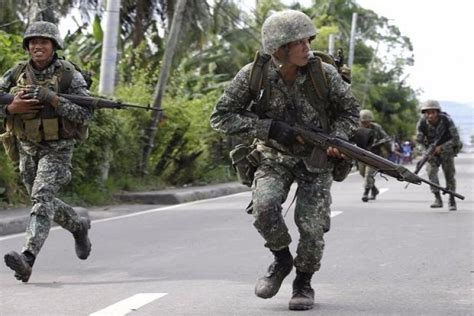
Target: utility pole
(170, 50)
(332, 44)
(108, 61)
(352, 43)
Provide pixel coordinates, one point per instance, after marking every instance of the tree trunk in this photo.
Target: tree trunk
(162, 81)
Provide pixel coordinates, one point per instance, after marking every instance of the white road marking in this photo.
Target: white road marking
(335, 213)
(383, 190)
(129, 304)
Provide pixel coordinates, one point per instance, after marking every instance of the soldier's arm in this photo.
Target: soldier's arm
(6, 82)
(227, 115)
(72, 111)
(455, 142)
(420, 138)
(347, 107)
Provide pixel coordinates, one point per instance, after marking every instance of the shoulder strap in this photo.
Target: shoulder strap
(318, 77)
(18, 70)
(67, 73)
(258, 72)
(317, 88)
(259, 85)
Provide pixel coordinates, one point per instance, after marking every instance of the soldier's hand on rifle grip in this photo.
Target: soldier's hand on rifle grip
(22, 104)
(283, 133)
(42, 94)
(334, 152)
(438, 150)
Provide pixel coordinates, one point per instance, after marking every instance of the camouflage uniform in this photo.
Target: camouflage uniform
(45, 166)
(446, 158)
(380, 138)
(279, 167)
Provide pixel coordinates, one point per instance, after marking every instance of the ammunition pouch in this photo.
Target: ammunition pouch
(37, 129)
(342, 168)
(245, 160)
(10, 146)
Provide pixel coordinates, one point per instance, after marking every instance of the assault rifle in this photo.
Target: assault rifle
(97, 103)
(320, 139)
(428, 154)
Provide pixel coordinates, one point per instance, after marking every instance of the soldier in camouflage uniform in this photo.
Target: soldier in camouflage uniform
(286, 36)
(380, 146)
(45, 127)
(437, 127)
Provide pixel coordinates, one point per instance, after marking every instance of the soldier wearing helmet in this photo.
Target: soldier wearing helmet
(279, 159)
(381, 145)
(436, 128)
(42, 128)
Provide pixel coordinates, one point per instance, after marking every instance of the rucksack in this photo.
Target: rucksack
(317, 89)
(66, 73)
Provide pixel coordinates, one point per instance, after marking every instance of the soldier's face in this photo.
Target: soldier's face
(41, 50)
(299, 52)
(432, 116)
(365, 124)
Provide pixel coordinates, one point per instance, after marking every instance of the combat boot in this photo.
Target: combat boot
(22, 264)
(452, 203)
(438, 202)
(373, 193)
(303, 294)
(269, 285)
(365, 196)
(83, 244)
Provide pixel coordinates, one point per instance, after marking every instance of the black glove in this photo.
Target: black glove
(42, 94)
(283, 133)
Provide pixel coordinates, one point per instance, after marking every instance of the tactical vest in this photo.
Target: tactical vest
(46, 124)
(316, 88)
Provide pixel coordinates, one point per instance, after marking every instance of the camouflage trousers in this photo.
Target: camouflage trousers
(369, 175)
(447, 164)
(312, 210)
(44, 170)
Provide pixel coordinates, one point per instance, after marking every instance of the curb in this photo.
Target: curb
(17, 224)
(13, 223)
(181, 195)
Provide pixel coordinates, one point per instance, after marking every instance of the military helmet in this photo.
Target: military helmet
(366, 116)
(284, 27)
(43, 29)
(430, 105)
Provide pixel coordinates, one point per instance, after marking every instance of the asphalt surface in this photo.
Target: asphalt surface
(15, 220)
(391, 256)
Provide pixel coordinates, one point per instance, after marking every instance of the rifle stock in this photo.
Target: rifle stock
(322, 140)
(97, 103)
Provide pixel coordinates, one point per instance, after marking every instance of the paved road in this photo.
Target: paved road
(392, 256)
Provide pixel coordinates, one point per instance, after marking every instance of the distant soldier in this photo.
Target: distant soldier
(381, 145)
(44, 128)
(283, 103)
(436, 127)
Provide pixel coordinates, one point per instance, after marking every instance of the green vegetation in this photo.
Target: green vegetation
(215, 43)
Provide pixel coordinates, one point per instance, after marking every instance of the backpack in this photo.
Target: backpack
(317, 88)
(67, 68)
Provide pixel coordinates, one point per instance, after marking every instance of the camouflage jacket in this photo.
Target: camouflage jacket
(66, 108)
(381, 139)
(289, 104)
(445, 129)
